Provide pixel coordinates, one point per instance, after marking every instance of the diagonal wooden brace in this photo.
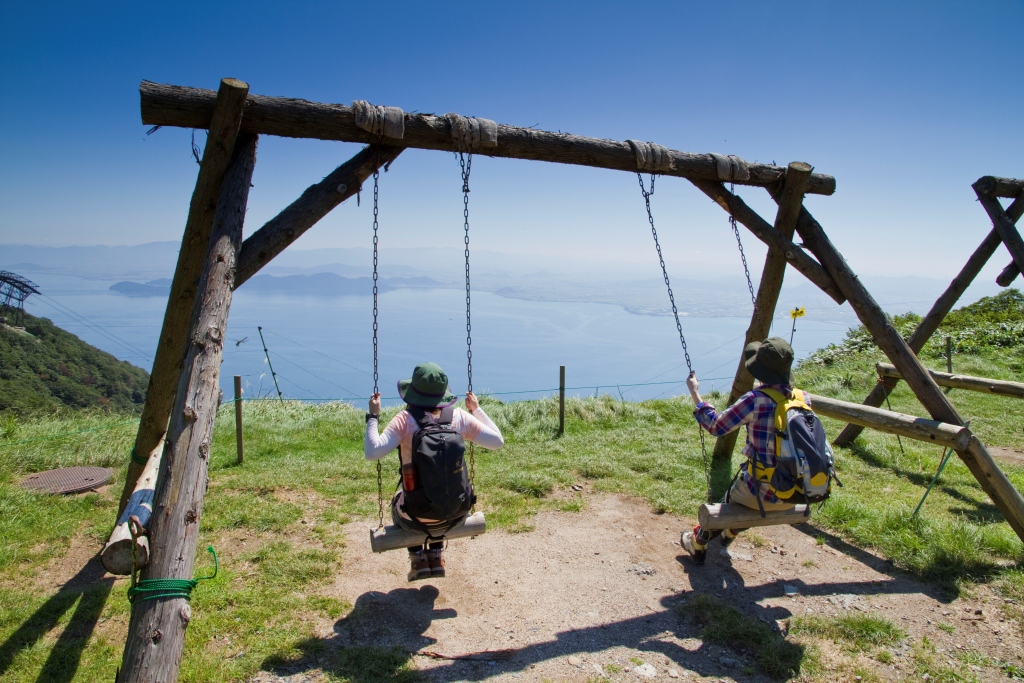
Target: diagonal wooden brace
(765, 232)
(930, 323)
(987, 188)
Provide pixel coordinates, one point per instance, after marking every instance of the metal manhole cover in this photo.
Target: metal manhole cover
(68, 479)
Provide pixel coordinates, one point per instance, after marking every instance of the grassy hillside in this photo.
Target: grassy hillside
(304, 476)
(50, 368)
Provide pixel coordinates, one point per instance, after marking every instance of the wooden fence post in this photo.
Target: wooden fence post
(238, 419)
(163, 380)
(561, 400)
(156, 631)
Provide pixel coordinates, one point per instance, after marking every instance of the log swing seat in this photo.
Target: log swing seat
(468, 134)
(214, 260)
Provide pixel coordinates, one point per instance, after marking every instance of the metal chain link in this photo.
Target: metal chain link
(743, 256)
(466, 164)
(675, 313)
(380, 476)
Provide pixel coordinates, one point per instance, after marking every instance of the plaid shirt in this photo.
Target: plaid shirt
(757, 412)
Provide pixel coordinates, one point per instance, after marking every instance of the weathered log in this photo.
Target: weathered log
(977, 458)
(171, 105)
(1005, 227)
(765, 232)
(942, 306)
(985, 385)
(930, 431)
(1007, 275)
(767, 296)
(225, 118)
(156, 631)
(731, 516)
(991, 186)
(395, 537)
(315, 203)
(117, 554)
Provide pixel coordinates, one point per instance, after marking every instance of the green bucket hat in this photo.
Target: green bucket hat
(428, 387)
(770, 360)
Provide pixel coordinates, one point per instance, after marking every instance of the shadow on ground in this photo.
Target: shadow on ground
(377, 640)
(87, 592)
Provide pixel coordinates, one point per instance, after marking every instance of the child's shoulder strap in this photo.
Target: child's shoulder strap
(774, 395)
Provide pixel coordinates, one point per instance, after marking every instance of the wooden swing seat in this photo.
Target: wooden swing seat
(731, 516)
(394, 537)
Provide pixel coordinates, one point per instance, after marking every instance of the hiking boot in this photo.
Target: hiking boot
(436, 560)
(698, 551)
(420, 568)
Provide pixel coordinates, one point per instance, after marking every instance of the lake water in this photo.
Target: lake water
(321, 346)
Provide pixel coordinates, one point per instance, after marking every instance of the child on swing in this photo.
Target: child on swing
(769, 362)
(429, 409)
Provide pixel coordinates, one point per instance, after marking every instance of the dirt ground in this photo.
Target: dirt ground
(592, 594)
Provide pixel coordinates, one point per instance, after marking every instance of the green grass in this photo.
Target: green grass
(861, 632)
(304, 477)
(724, 625)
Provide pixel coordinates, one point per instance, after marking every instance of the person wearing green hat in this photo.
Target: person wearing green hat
(769, 362)
(429, 403)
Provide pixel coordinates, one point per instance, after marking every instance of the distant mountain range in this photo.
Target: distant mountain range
(317, 284)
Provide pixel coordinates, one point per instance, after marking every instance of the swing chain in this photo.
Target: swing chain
(380, 481)
(743, 256)
(380, 497)
(664, 270)
(675, 312)
(466, 164)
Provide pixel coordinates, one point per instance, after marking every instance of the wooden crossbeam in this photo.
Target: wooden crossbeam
(985, 385)
(172, 105)
(939, 310)
(731, 516)
(225, 119)
(977, 458)
(156, 630)
(395, 537)
(316, 202)
(764, 304)
(946, 435)
(767, 233)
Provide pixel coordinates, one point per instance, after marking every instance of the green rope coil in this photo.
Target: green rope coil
(138, 459)
(159, 589)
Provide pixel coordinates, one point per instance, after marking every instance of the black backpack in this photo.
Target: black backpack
(443, 490)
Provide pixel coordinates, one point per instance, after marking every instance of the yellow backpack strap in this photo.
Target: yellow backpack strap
(780, 407)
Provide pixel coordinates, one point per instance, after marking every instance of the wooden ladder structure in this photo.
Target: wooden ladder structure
(183, 394)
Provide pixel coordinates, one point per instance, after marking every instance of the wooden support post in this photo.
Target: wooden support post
(156, 631)
(985, 385)
(952, 436)
(1008, 274)
(977, 458)
(930, 323)
(239, 444)
(764, 310)
(1002, 223)
(172, 105)
(561, 400)
(949, 354)
(767, 233)
(316, 202)
(163, 380)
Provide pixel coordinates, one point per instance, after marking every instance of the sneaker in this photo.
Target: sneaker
(436, 560)
(697, 550)
(420, 568)
(727, 538)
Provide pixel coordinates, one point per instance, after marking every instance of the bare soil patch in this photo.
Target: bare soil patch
(593, 594)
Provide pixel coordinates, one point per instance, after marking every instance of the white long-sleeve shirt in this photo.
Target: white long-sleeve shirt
(476, 427)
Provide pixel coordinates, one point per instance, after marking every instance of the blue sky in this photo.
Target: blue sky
(905, 103)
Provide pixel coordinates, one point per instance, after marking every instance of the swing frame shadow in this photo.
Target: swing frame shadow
(214, 260)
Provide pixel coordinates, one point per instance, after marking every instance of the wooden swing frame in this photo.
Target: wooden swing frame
(183, 394)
